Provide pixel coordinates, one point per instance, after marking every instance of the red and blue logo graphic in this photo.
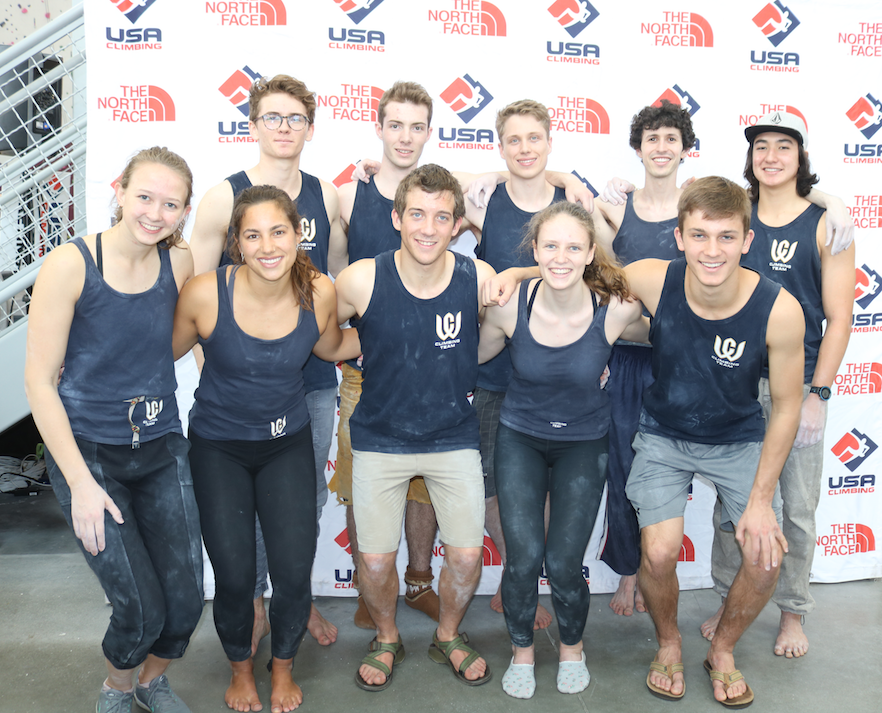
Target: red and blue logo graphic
(466, 97)
(687, 551)
(680, 97)
(492, 558)
(586, 183)
(343, 541)
(573, 15)
(357, 10)
(853, 449)
(237, 87)
(344, 177)
(132, 9)
(866, 115)
(866, 285)
(776, 21)
(492, 21)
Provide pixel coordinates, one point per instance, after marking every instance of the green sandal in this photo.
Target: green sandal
(440, 652)
(376, 649)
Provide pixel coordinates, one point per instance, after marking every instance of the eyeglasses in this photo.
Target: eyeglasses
(297, 122)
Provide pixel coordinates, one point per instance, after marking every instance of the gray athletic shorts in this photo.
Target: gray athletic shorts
(658, 486)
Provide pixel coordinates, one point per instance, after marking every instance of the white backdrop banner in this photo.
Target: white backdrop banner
(177, 74)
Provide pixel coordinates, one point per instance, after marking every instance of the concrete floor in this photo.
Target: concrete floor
(54, 616)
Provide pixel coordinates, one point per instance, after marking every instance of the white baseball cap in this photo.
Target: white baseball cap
(784, 123)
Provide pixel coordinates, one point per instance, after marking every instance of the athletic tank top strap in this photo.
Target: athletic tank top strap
(555, 391)
(118, 384)
(706, 371)
(99, 253)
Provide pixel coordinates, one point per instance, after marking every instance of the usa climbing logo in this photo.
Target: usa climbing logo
(357, 10)
(853, 449)
(573, 15)
(466, 97)
(776, 22)
(132, 9)
(237, 87)
(866, 285)
(680, 97)
(866, 115)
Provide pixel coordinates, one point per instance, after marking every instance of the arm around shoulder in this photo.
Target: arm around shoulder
(195, 311)
(209, 235)
(354, 286)
(646, 279)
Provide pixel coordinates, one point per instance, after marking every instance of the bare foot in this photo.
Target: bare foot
(543, 618)
(261, 625)
(496, 602)
(623, 600)
(709, 628)
(639, 602)
(668, 655)
(321, 629)
(286, 695)
(242, 693)
(725, 662)
(792, 641)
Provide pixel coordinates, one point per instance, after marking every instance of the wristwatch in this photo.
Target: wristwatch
(823, 392)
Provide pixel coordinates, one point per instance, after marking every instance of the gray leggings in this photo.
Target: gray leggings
(151, 565)
(572, 473)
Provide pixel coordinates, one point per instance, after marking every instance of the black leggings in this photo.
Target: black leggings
(574, 485)
(275, 479)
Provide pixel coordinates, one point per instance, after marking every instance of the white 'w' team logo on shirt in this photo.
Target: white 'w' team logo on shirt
(154, 408)
(277, 427)
(728, 351)
(307, 230)
(783, 252)
(447, 327)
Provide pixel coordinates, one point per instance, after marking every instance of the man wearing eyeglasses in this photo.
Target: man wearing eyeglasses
(281, 116)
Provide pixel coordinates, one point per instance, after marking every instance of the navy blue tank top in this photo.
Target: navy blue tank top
(251, 389)
(706, 372)
(118, 385)
(504, 227)
(370, 226)
(789, 256)
(315, 235)
(555, 391)
(638, 239)
(420, 363)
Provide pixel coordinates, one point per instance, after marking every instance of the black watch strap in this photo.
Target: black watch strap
(824, 393)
